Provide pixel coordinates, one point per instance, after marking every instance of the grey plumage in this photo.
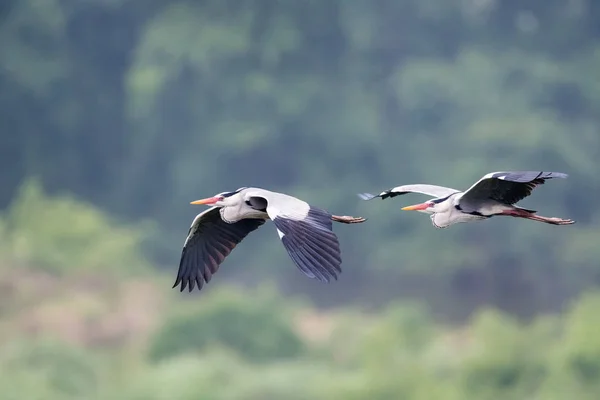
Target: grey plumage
(305, 231)
(494, 194)
(431, 190)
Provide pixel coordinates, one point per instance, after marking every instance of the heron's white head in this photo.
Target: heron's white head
(223, 199)
(431, 206)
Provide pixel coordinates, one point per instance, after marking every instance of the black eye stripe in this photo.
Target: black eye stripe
(437, 201)
(229, 194)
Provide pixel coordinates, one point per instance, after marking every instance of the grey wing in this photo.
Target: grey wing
(209, 241)
(508, 187)
(307, 235)
(430, 190)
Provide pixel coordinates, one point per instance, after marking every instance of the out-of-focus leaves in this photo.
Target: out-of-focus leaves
(37, 369)
(257, 330)
(140, 106)
(60, 234)
(32, 45)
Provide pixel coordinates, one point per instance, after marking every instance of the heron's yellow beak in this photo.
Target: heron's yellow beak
(416, 207)
(210, 200)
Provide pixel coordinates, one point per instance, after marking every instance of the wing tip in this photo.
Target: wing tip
(323, 275)
(384, 195)
(328, 279)
(367, 196)
(177, 282)
(558, 175)
(525, 176)
(190, 284)
(311, 262)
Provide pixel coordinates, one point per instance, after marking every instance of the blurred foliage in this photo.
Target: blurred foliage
(399, 352)
(255, 329)
(98, 336)
(141, 106)
(133, 338)
(37, 369)
(125, 110)
(59, 233)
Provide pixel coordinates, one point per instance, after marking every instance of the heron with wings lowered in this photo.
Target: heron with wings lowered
(305, 231)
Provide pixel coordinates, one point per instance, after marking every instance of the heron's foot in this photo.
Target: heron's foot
(346, 219)
(553, 220)
(534, 217)
(560, 221)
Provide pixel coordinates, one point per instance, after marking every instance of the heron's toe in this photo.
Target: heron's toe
(561, 221)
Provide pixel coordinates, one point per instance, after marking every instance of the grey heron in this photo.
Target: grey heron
(494, 194)
(305, 231)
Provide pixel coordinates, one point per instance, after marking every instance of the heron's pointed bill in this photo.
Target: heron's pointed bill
(416, 207)
(209, 200)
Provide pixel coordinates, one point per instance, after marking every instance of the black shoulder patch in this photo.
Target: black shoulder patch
(258, 203)
(437, 201)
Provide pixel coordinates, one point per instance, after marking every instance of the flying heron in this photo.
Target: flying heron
(305, 231)
(494, 194)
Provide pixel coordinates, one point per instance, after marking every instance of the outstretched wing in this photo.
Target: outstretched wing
(307, 235)
(209, 241)
(508, 187)
(430, 190)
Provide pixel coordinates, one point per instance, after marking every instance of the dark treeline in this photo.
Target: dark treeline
(141, 106)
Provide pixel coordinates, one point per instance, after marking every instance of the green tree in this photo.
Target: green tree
(256, 330)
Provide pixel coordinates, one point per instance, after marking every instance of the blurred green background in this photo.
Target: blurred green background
(115, 114)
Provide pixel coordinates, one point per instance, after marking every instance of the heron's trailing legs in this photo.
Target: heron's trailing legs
(345, 219)
(534, 217)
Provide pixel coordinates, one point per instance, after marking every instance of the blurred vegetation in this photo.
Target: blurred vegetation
(115, 114)
(88, 335)
(230, 320)
(139, 107)
(59, 234)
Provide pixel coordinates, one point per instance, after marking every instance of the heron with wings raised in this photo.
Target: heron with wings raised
(494, 194)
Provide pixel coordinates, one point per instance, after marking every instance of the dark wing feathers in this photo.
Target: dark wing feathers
(384, 195)
(527, 176)
(311, 244)
(209, 241)
(509, 187)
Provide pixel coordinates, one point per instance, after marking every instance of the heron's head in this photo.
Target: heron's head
(223, 199)
(430, 206)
